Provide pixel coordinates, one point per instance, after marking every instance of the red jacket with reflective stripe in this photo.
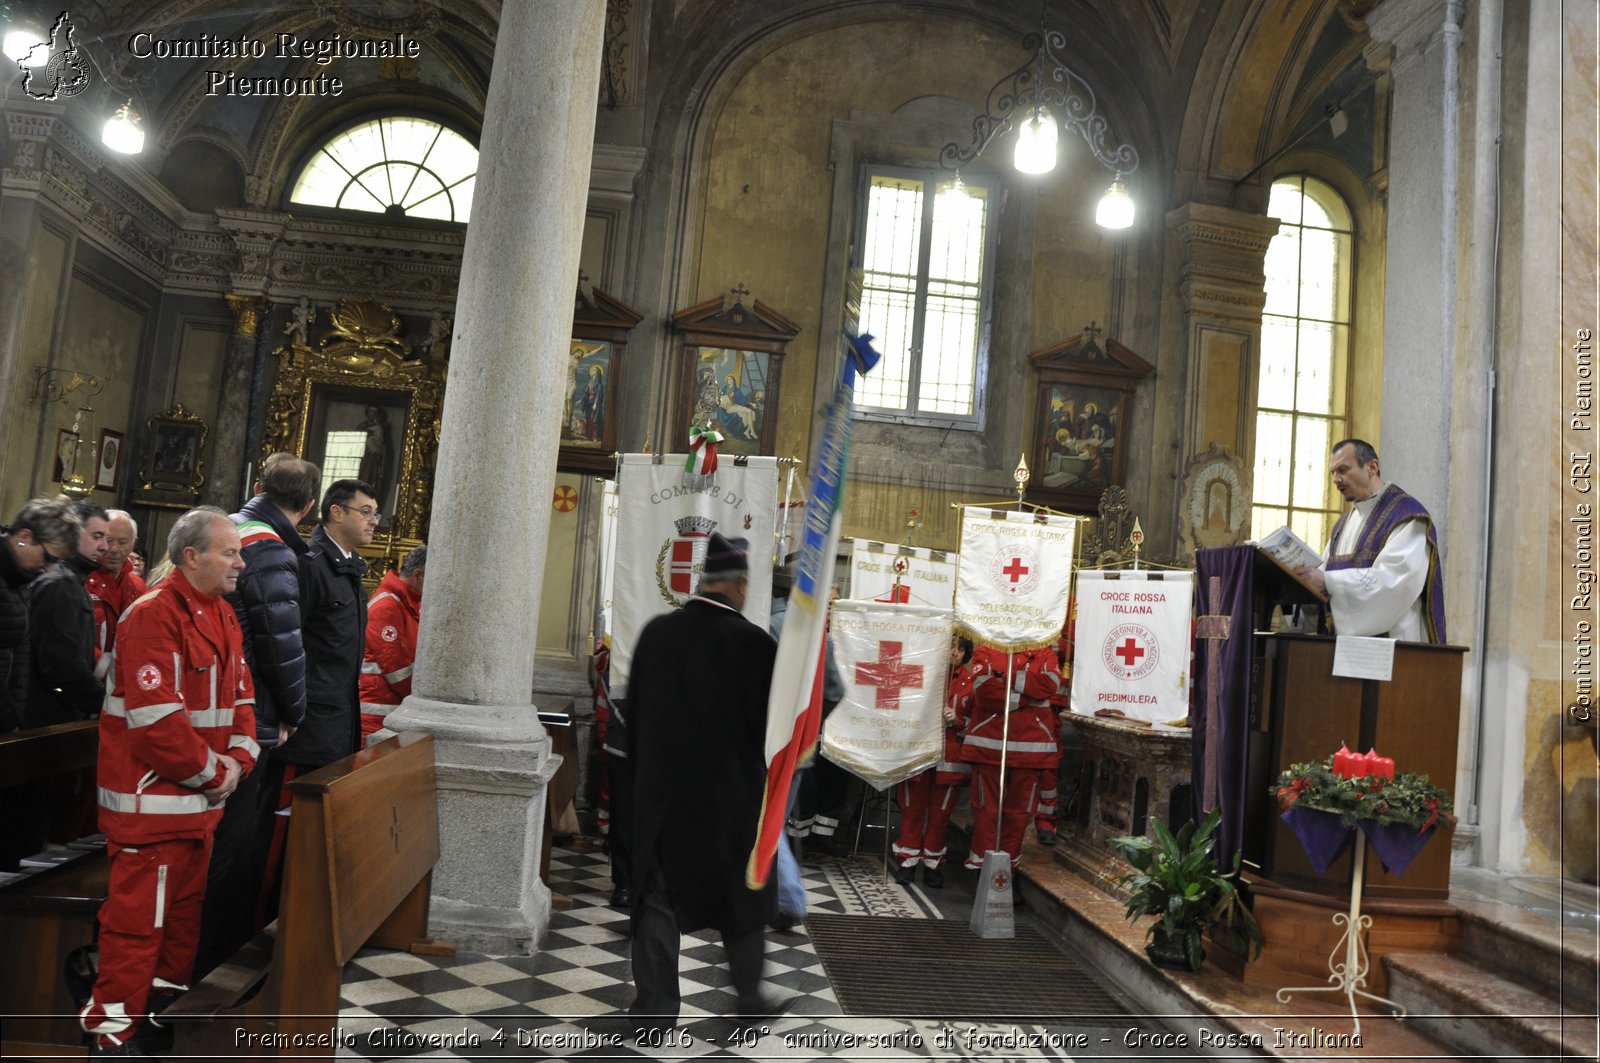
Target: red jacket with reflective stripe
(392, 614)
(181, 701)
(1030, 737)
(111, 595)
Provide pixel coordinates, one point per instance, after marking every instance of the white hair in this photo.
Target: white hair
(122, 514)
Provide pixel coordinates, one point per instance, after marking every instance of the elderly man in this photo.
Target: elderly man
(1381, 573)
(391, 650)
(63, 685)
(115, 585)
(176, 737)
(697, 728)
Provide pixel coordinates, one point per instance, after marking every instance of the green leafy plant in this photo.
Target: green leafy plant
(1176, 877)
(1408, 799)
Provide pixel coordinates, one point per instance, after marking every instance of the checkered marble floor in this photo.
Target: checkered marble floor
(570, 1000)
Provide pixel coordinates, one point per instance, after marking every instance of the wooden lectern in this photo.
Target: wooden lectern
(1301, 712)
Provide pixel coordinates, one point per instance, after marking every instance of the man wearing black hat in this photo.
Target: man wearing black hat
(698, 695)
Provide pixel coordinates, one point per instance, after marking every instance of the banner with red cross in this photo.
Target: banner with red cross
(1014, 577)
(1132, 652)
(894, 660)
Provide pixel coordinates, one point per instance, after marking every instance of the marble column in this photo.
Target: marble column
(1417, 40)
(1223, 289)
(496, 466)
(225, 486)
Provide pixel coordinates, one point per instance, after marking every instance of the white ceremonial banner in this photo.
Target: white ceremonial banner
(894, 660)
(927, 577)
(608, 556)
(1015, 576)
(662, 531)
(1132, 651)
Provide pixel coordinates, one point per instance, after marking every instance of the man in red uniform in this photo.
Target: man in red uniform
(391, 648)
(1028, 741)
(176, 735)
(115, 585)
(926, 800)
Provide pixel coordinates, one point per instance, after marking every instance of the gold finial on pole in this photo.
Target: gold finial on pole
(1022, 476)
(913, 522)
(1136, 537)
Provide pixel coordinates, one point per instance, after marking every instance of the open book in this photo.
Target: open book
(1289, 550)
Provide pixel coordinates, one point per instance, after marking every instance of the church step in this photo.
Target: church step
(1559, 961)
(1480, 1013)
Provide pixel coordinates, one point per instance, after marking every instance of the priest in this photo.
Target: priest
(1381, 572)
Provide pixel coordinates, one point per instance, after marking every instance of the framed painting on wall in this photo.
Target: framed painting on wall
(589, 411)
(356, 434)
(66, 458)
(1081, 417)
(174, 462)
(730, 372)
(108, 469)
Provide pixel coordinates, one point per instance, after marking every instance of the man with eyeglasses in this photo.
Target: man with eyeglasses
(333, 625)
(63, 685)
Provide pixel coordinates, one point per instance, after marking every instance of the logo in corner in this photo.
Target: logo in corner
(148, 676)
(65, 73)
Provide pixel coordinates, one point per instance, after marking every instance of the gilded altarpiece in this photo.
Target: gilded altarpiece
(362, 372)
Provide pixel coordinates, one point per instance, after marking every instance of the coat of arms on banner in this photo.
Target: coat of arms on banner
(1015, 569)
(681, 556)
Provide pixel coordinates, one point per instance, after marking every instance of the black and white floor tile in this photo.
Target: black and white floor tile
(570, 1000)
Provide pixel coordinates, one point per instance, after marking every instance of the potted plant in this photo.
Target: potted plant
(1176, 877)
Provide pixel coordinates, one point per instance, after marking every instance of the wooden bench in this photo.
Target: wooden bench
(46, 915)
(363, 839)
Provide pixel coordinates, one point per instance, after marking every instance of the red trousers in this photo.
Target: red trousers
(1023, 786)
(149, 929)
(925, 807)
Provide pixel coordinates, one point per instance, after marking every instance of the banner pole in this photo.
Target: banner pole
(1005, 740)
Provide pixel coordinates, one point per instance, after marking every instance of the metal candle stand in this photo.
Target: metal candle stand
(1350, 976)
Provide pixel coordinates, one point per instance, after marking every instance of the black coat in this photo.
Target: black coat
(13, 639)
(61, 684)
(697, 726)
(267, 601)
(333, 625)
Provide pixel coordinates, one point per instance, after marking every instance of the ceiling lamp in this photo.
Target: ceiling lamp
(124, 131)
(1030, 97)
(25, 46)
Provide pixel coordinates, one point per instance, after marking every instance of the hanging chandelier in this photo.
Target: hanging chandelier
(1040, 98)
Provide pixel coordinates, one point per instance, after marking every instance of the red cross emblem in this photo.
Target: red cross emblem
(889, 674)
(1015, 570)
(566, 499)
(1130, 651)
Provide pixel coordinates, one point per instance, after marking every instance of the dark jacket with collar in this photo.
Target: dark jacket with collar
(267, 601)
(14, 579)
(333, 614)
(61, 685)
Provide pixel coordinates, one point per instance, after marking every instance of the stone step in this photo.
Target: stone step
(1559, 961)
(1480, 1013)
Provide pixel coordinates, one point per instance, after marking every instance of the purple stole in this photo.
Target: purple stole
(1394, 508)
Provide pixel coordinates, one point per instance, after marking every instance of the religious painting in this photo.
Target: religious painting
(174, 462)
(66, 455)
(108, 470)
(1080, 437)
(584, 414)
(593, 383)
(730, 372)
(356, 434)
(730, 395)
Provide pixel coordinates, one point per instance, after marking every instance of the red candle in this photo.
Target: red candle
(1341, 762)
(1385, 767)
(1360, 765)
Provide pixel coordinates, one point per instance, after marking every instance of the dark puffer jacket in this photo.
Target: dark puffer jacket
(267, 601)
(61, 683)
(13, 639)
(334, 616)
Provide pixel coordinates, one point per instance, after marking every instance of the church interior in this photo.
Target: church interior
(1257, 227)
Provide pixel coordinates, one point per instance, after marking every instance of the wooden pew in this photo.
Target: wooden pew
(46, 915)
(363, 839)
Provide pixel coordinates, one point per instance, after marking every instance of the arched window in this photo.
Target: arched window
(1301, 405)
(402, 167)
